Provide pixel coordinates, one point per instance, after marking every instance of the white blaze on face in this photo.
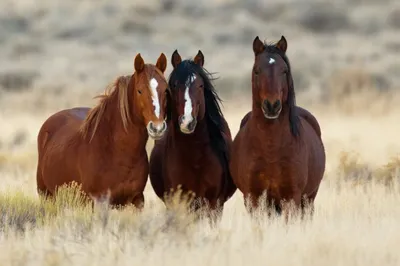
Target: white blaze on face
(271, 61)
(187, 117)
(154, 96)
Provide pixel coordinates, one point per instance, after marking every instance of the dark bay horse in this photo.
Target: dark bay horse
(278, 149)
(195, 151)
(103, 149)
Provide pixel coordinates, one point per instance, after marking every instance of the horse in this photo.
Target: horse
(103, 149)
(193, 156)
(279, 149)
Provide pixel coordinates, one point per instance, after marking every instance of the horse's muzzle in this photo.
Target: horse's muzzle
(187, 128)
(271, 110)
(156, 131)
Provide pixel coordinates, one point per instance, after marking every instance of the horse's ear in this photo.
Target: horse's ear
(258, 46)
(162, 63)
(282, 44)
(139, 63)
(176, 59)
(199, 58)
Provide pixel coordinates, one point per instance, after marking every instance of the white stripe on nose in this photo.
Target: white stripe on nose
(187, 117)
(154, 96)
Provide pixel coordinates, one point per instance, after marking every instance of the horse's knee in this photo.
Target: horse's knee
(292, 207)
(307, 207)
(251, 203)
(215, 216)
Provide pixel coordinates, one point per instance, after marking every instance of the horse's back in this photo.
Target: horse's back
(71, 117)
(310, 118)
(316, 155)
(312, 131)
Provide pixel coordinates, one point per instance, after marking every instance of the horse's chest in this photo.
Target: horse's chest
(192, 170)
(276, 172)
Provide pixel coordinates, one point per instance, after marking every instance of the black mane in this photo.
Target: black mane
(291, 100)
(213, 115)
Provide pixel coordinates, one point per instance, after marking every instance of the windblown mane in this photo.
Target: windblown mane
(294, 120)
(213, 114)
(118, 88)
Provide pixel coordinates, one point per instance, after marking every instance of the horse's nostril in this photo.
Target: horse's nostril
(180, 119)
(163, 126)
(271, 108)
(267, 106)
(151, 126)
(277, 105)
(191, 125)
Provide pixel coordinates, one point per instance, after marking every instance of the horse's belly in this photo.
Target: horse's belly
(57, 170)
(280, 180)
(316, 159)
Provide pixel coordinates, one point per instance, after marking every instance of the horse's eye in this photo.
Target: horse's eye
(256, 72)
(139, 91)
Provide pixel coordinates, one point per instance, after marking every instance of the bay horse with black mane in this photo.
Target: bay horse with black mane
(103, 149)
(194, 153)
(278, 149)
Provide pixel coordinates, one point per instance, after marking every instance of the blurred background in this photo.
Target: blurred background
(344, 57)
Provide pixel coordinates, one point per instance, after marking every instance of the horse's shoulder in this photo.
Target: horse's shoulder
(245, 119)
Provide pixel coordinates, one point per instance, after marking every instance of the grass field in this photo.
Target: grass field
(344, 58)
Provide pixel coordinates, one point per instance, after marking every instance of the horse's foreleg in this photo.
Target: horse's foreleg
(138, 201)
(215, 212)
(291, 207)
(307, 203)
(251, 203)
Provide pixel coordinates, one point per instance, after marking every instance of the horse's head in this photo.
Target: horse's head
(149, 88)
(187, 82)
(271, 77)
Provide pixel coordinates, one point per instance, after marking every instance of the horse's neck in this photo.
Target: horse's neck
(112, 135)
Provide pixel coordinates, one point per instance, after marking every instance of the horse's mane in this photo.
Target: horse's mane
(213, 114)
(291, 100)
(118, 88)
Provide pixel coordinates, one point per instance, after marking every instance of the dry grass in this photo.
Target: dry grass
(55, 56)
(353, 225)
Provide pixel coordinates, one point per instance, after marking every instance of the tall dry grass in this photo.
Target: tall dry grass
(354, 224)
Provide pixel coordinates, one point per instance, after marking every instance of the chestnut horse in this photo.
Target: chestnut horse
(103, 149)
(194, 153)
(278, 149)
